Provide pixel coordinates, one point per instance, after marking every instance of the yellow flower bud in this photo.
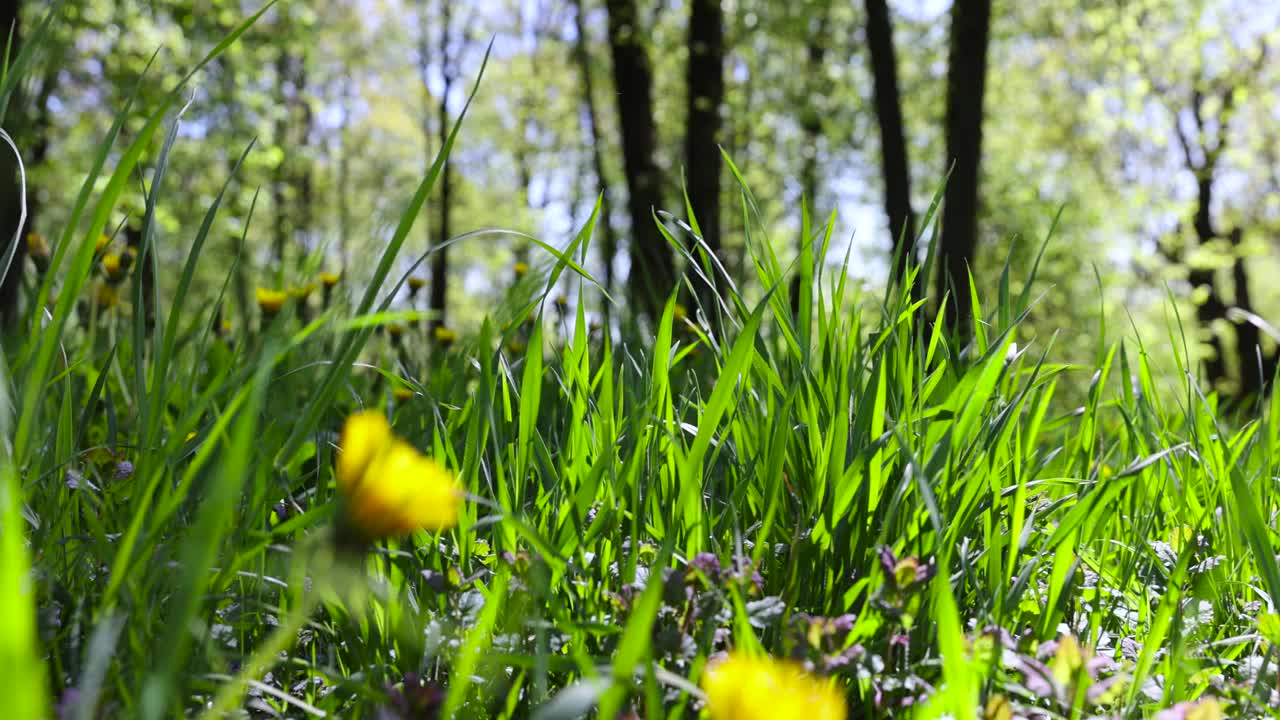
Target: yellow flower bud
(445, 336)
(113, 266)
(37, 246)
(270, 301)
(106, 296)
(329, 279)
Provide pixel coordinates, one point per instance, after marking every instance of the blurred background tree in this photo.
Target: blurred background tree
(1150, 124)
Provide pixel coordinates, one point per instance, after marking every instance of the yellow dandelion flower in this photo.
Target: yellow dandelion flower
(391, 489)
(270, 301)
(402, 394)
(36, 245)
(106, 297)
(303, 292)
(101, 244)
(224, 327)
(416, 284)
(1207, 709)
(743, 687)
(329, 279)
(562, 301)
(395, 330)
(444, 335)
(114, 267)
(521, 269)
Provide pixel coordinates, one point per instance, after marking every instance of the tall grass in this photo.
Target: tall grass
(856, 490)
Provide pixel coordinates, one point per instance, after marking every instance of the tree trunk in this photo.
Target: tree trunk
(811, 120)
(582, 57)
(702, 130)
(11, 192)
(652, 274)
(893, 144)
(279, 176)
(1257, 368)
(966, 83)
(344, 178)
(305, 168)
(438, 304)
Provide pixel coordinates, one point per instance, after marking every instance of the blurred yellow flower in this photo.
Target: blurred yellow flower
(562, 301)
(114, 267)
(303, 292)
(416, 284)
(395, 330)
(680, 313)
(402, 394)
(270, 301)
(329, 279)
(36, 245)
(1208, 709)
(743, 687)
(391, 489)
(521, 268)
(515, 347)
(101, 244)
(444, 335)
(106, 297)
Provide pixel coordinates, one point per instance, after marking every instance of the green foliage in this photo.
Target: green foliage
(924, 523)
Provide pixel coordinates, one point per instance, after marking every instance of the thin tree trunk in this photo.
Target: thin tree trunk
(1213, 308)
(344, 179)
(582, 57)
(893, 144)
(652, 273)
(11, 191)
(440, 260)
(702, 130)
(280, 175)
(966, 85)
(811, 120)
(1257, 368)
(305, 172)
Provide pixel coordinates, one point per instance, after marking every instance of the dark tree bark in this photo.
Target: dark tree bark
(966, 85)
(652, 273)
(344, 177)
(28, 121)
(438, 297)
(11, 191)
(893, 144)
(1201, 151)
(582, 58)
(811, 119)
(279, 176)
(304, 171)
(702, 130)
